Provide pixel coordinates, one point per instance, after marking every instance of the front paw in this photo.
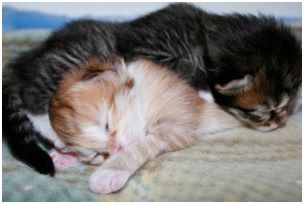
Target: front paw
(105, 181)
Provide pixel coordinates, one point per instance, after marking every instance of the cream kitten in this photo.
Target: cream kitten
(129, 113)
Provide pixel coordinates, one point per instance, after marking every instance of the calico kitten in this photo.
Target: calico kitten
(252, 66)
(130, 112)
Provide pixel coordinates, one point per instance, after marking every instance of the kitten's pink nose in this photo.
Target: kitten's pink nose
(116, 149)
(119, 147)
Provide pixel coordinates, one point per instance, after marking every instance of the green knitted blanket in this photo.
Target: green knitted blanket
(235, 165)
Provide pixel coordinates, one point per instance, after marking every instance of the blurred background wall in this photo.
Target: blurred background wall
(20, 15)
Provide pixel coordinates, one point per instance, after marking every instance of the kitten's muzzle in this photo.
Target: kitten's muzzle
(276, 121)
(273, 122)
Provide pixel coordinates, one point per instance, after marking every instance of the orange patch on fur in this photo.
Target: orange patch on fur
(73, 98)
(129, 83)
(252, 97)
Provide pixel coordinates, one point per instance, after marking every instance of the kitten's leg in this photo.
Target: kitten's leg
(19, 132)
(116, 171)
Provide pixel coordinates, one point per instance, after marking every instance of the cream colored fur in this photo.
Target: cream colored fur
(149, 111)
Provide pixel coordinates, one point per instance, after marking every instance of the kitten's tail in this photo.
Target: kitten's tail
(214, 119)
(19, 134)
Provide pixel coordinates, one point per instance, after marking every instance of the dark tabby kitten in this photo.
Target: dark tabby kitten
(252, 65)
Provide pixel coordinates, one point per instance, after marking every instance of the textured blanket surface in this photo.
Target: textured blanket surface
(235, 165)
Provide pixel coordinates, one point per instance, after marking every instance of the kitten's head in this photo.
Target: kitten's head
(258, 76)
(81, 109)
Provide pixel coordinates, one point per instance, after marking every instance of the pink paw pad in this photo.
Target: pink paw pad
(64, 160)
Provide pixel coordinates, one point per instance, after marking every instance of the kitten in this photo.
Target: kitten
(30, 80)
(252, 66)
(130, 112)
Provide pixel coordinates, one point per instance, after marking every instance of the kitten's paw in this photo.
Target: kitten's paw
(64, 160)
(105, 181)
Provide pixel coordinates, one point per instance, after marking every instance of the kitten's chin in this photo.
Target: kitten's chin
(267, 128)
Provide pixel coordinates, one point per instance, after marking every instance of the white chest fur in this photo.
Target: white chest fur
(43, 125)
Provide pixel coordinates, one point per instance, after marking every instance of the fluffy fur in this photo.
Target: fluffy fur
(220, 52)
(243, 59)
(132, 112)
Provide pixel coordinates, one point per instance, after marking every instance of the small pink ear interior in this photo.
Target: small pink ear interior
(98, 75)
(105, 75)
(234, 85)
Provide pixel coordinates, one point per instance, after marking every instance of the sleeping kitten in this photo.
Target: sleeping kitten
(252, 65)
(130, 112)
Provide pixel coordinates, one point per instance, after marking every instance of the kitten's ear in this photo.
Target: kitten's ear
(234, 86)
(98, 70)
(100, 76)
(122, 63)
(119, 64)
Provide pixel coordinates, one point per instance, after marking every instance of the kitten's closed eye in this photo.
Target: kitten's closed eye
(257, 118)
(107, 127)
